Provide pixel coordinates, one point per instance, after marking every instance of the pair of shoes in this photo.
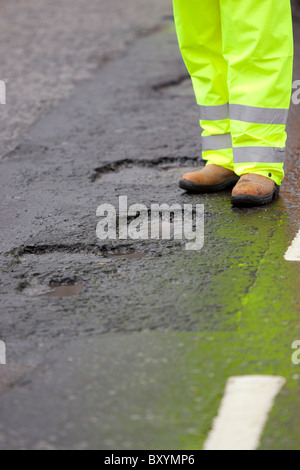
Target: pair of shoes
(248, 191)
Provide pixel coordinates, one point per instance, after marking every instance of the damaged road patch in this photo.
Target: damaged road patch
(159, 164)
(64, 288)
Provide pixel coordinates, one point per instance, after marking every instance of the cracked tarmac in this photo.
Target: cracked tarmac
(139, 358)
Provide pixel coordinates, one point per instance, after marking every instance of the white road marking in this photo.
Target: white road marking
(293, 253)
(243, 412)
(2, 92)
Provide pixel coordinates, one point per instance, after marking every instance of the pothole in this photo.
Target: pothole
(35, 288)
(76, 251)
(39, 258)
(147, 176)
(64, 291)
(172, 82)
(49, 253)
(151, 168)
(180, 86)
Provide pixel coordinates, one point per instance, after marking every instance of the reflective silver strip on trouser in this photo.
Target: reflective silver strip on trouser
(258, 155)
(255, 115)
(216, 142)
(238, 112)
(214, 113)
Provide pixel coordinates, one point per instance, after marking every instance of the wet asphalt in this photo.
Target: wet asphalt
(140, 356)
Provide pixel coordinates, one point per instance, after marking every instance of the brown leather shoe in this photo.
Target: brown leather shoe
(210, 179)
(254, 190)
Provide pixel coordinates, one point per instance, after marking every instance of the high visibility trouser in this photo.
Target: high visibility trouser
(239, 54)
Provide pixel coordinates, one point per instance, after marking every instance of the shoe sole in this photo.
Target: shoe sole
(245, 200)
(208, 188)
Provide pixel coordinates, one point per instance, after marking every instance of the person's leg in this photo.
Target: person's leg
(198, 26)
(258, 45)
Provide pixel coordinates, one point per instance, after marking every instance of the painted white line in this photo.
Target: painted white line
(243, 412)
(2, 92)
(293, 253)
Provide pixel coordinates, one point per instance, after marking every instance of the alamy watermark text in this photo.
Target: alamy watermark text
(160, 221)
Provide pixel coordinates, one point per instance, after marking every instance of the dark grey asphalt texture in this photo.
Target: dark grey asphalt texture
(140, 357)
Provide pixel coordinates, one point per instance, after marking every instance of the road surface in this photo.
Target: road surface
(99, 106)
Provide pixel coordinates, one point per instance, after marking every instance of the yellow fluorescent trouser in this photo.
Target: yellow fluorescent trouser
(239, 54)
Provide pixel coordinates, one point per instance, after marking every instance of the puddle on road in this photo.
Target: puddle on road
(64, 291)
(35, 288)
